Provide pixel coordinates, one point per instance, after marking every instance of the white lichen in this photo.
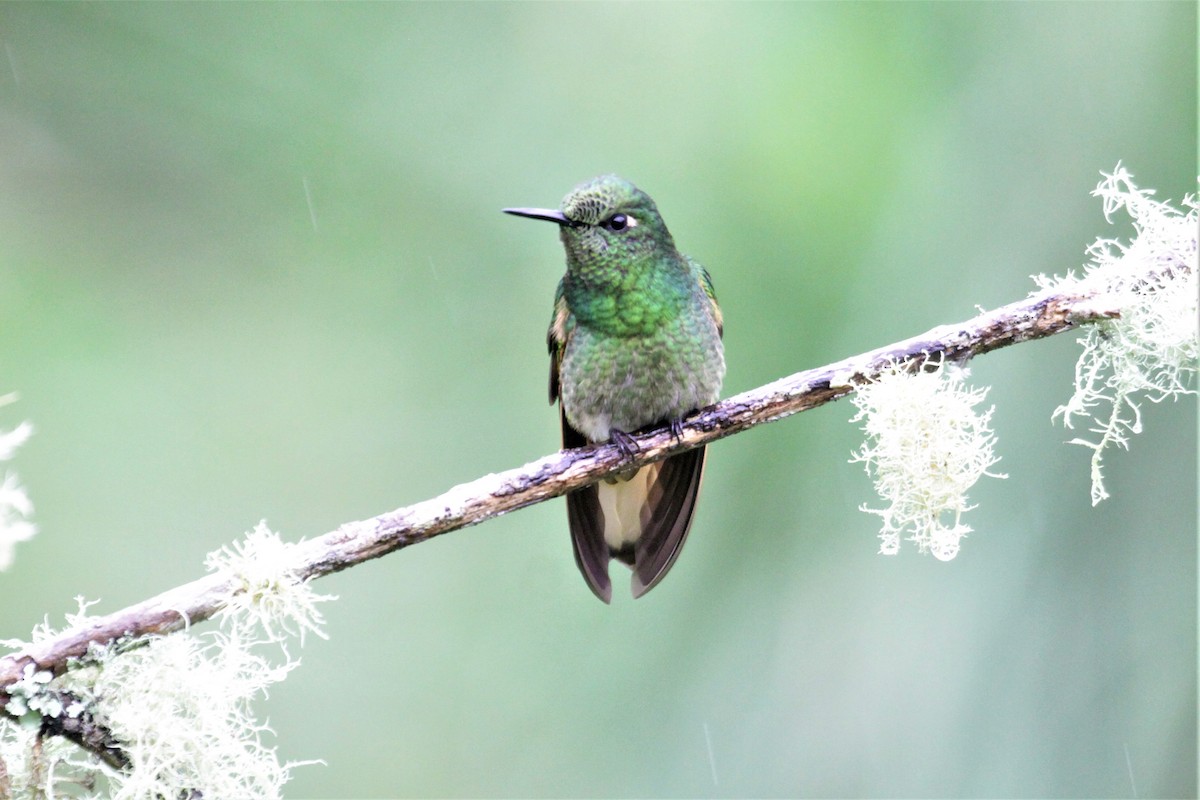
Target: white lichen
(926, 446)
(1150, 351)
(182, 708)
(179, 706)
(266, 590)
(15, 505)
(29, 694)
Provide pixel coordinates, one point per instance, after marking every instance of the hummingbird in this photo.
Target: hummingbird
(635, 343)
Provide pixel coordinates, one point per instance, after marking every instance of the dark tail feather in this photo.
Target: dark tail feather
(587, 537)
(586, 520)
(668, 518)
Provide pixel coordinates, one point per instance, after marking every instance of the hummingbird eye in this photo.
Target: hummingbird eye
(619, 222)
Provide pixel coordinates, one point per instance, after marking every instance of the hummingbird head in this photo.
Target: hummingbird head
(607, 222)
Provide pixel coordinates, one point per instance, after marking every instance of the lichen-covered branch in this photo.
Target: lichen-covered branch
(1036, 317)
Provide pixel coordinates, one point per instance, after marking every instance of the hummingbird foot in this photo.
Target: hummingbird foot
(677, 430)
(624, 442)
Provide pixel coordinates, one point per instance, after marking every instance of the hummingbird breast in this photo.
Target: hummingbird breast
(627, 382)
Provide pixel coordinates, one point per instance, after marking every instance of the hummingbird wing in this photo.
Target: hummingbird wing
(706, 283)
(584, 514)
(561, 326)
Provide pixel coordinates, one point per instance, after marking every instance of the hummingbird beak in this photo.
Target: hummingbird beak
(544, 213)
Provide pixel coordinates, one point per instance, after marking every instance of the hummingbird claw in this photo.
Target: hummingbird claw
(624, 442)
(677, 430)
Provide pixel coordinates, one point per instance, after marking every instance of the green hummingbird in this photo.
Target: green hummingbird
(635, 342)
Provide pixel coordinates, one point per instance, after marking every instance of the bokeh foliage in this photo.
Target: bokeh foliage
(252, 265)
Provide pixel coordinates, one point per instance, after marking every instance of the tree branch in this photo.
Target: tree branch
(1036, 317)
(87, 732)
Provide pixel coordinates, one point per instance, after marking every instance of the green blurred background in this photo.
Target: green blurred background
(252, 265)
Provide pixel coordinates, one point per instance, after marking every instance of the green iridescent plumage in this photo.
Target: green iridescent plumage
(635, 341)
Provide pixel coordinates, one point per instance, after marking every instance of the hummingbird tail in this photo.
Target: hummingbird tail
(642, 520)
